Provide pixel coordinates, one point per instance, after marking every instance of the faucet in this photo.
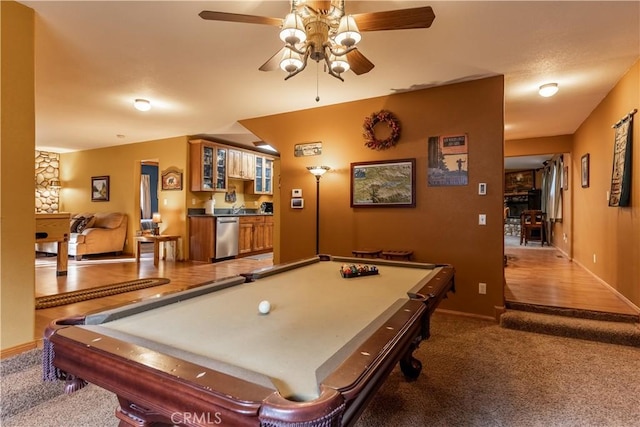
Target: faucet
(235, 210)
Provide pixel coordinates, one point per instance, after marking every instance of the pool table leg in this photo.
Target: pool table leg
(409, 365)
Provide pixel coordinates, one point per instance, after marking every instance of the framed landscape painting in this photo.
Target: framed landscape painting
(384, 183)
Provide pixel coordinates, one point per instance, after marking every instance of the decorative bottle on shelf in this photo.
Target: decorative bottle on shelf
(209, 206)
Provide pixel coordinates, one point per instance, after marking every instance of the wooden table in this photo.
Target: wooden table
(55, 228)
(156, 245)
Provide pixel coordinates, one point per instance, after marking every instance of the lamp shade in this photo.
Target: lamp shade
(157, 218)
(318, 170)
(339, 65)
(291, 61)
(292, 32)
(348, 34)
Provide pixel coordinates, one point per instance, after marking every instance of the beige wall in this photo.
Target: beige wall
(17, 202)
(612, 234)
(443, 227)
(122, 165)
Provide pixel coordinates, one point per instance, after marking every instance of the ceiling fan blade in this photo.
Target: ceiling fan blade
(359, 63)
(419, 17)
(274, 62)
(236, 17)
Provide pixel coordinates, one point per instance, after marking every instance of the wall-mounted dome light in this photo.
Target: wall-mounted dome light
(142, 104)
(548, 89)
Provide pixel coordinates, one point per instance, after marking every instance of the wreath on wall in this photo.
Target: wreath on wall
(382, 116)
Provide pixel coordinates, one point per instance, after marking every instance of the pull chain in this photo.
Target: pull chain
(317, 81)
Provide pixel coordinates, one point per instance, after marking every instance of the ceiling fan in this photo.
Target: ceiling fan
(320, 30)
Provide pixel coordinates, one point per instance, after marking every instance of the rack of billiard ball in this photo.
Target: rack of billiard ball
(352, 270)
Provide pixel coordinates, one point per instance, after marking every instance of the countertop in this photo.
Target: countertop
(225, 213)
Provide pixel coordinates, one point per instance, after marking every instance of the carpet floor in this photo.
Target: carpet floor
(475, 373)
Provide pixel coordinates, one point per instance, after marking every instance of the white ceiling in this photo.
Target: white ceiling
(93, 58)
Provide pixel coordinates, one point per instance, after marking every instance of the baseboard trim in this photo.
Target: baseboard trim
(14, 351)
(463, 314)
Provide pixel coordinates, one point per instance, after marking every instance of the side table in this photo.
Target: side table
(156, 245)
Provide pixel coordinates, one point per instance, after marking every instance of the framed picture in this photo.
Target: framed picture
(172, 179)
(297, 203)
(384, 184)
(296, 192)
(100, 188)
(584, 171)
(519, 182)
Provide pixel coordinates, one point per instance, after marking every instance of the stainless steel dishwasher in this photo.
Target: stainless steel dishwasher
(227, 230)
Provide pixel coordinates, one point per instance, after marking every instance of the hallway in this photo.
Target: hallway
(543, 276)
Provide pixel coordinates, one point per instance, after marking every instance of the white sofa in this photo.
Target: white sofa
(93, 233)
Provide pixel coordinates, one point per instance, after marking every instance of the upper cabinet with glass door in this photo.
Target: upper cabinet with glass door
(208, 166)
(263, 182)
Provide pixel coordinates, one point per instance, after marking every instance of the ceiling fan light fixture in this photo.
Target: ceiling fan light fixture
(548, 89)
(338, 64)
(348, 34)
(142, 104)
(291, 61)
(292, 30)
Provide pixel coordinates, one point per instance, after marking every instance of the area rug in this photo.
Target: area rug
(99, 292)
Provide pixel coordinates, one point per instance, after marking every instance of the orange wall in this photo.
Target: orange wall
(443, 227)
(17, 202)
(612, 234)
(538, 146)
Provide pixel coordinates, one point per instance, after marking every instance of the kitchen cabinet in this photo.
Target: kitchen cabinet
(202, 232)
(256, 234)
(208, 165)
(263, 180)
(241, 164)
(268, 232)
(245, 237)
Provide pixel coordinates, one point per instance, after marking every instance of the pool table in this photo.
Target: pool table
(207, 356)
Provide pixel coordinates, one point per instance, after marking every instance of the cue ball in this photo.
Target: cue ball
(264, 307)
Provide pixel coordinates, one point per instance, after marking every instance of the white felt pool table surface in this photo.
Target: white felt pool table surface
(315, 315)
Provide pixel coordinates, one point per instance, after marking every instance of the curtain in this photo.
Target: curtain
(145, 197)
(552, 192)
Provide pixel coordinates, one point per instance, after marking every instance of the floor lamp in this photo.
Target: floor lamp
(318, 171)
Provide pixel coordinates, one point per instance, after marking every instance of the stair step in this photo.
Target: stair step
(574, 312)
(613, 332)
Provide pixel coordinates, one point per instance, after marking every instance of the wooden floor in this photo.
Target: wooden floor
(534, 275)
(544, 276)
(95, 272)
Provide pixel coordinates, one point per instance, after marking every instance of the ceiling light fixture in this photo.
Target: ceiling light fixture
(142, 104)
(330, 37)
(321, 31)
(548, 89)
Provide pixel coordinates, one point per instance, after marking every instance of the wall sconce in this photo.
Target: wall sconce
(55, 183)
(157, 220)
